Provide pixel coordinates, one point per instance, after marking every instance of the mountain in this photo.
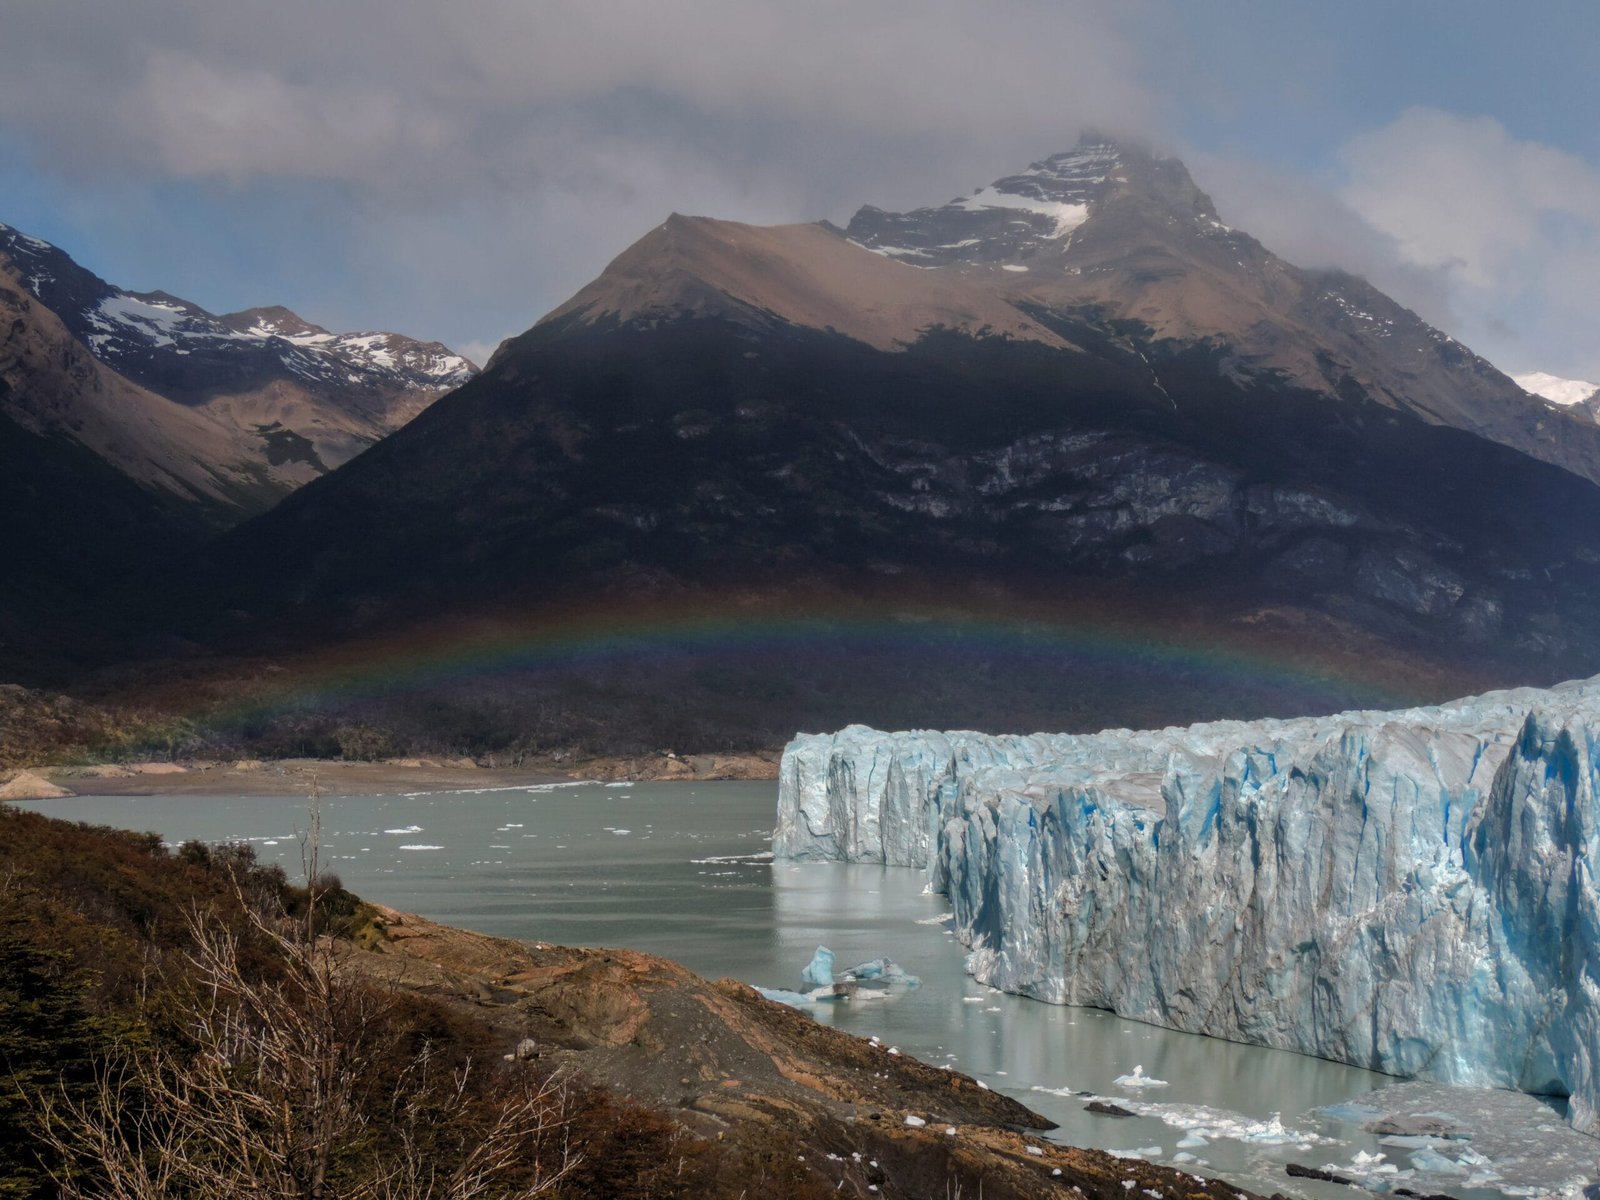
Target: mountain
(1075, 390)
(133, 426)
(1578, 396)
(239, 408)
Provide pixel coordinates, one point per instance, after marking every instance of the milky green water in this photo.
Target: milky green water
(683, 871)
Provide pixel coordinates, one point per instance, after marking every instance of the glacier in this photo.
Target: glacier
(1412, 892)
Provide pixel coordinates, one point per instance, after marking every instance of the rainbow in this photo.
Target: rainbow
(1271, 670)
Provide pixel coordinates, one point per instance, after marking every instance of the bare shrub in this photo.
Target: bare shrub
(272, 1092)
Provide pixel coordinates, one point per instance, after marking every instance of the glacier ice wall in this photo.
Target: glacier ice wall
(1411, 892)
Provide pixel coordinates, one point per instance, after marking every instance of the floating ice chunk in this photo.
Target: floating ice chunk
(406, 829)
(420, 846)
(884, 972)
(784, 996)
(876, 979)
(1430, 1160)
(1138, 1080)
(819, 971)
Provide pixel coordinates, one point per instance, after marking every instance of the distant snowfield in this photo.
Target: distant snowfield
(1556, 389)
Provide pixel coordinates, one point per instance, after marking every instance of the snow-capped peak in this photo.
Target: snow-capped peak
(1015, 217)
(1059, 187)
(175, 346)
(1555, 389)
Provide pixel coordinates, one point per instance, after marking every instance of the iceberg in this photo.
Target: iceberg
(1412, 892)
(818, 972)
(878, 978)
(1138, 1079)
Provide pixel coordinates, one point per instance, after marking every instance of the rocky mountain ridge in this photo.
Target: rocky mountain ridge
(1156, 405)
(275, 400)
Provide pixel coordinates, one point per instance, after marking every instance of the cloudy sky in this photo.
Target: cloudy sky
(455, 168)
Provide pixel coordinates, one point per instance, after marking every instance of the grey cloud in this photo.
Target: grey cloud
(472, 165)
(399, 91)
(1310, 225)
(508, 149)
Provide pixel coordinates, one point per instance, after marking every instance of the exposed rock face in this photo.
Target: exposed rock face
(1410, 892)
(1110, 232)
(806, 275)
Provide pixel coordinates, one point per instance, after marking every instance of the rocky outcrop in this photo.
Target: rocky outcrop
(1410, 892)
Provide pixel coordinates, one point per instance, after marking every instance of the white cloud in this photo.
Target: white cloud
(1512, 226)
(1492, 238)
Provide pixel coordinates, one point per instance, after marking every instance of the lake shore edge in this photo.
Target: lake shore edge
(296, 776)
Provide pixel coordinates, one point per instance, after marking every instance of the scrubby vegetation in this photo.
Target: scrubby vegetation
(177, 1024)
(39, 727)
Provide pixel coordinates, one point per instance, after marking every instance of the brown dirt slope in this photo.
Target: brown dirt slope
(728, 1064)
(804, 274)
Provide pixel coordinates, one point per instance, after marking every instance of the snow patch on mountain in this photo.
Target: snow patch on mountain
(131, 331)
(1555, 389)
(1067, 217)
(1009, 219)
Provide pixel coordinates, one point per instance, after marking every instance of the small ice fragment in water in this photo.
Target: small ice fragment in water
(1138, 1080)
(784, 996)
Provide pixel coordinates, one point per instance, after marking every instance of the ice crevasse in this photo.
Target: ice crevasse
(1412, 891)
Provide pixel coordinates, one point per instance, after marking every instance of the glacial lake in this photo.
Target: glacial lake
(683, 870)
